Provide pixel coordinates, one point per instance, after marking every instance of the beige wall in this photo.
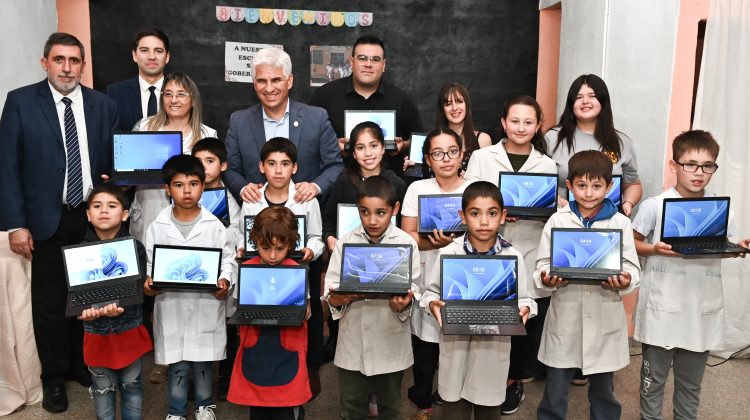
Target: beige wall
(73, 18)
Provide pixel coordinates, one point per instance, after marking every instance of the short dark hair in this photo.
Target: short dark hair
(279, 145)
(694, 140)
(151, 32)
(211, 145)
(380, 187)
(112, 190)
(590, 163)
(369, 39)
(275, 222)
(182, 164)
(481, 189)
(62, 38)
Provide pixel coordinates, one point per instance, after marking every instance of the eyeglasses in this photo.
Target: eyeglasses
(179, 95)
(375, 59)
(439, 154)
(707, 168)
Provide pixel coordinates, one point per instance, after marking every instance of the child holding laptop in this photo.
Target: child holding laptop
(279, 350)
(374, 345)
(189, 331)
(473, 368)
(678, 321)
(586, 327)
(113, 347)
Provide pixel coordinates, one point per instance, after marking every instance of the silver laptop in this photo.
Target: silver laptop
(377, 271)
(138, 156)
(271, 295)
(386, 119)
(185, 268)
(585, 255)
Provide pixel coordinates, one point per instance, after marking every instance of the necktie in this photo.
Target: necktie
(74, 194)
(151, 109)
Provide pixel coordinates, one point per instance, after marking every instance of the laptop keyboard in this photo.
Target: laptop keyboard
(704, 245)
(280, 316)
(104, 294)
(504, 315)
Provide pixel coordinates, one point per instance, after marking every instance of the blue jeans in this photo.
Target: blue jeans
(103, 391)
(179, 375)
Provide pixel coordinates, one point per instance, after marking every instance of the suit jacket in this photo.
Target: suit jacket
(32, 162)
(127, 96)
(318, 156)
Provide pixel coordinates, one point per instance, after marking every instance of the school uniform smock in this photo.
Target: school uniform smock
(423, 326)
(373, 339)
(485, 165)
(586, 327)
(190, 326)
(681, 301)
(474, 368)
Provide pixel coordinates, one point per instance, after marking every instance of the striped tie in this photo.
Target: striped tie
(74, 194)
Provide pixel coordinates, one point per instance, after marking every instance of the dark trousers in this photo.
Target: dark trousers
(525, 348)
(602, 401)
(59, 340)
(463, 409)
(272, 413)
(315, 323)
(426, 357)
(355, 390)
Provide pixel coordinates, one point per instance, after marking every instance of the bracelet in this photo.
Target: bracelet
(628, 201)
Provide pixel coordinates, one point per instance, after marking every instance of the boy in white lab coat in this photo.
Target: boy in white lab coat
(189, 331)
(586, 326)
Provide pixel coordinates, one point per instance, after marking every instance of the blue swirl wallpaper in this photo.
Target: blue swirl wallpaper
(520, 190)
(348, 219)
(375, 265)
(130, 155)
(586, 249)
(301, 229)
(686, 218)
(385, 119)
(101, 261)
(186, 265)
(215, 201)
(272, 286)
(440, 213)
(614, 193)
(479, 279)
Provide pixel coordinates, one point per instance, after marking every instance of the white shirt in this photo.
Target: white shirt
(76, 106)
(145, 94)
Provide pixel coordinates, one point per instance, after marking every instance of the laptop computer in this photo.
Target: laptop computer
(415, 155)
(585, 255)
(100, 273)
(138, 156)
(347, 219)
(529, 194)
(615, 193)
(439, 211)
(216, 200)
(386, 119)
(250, 250)
(377, 271)
(480, 294)
(271, 295)
(697, 227)
(185, 268)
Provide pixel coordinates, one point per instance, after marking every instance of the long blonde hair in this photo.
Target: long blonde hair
(161, 118)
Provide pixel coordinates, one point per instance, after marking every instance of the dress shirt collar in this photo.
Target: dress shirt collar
(269, 119)
(144, 85)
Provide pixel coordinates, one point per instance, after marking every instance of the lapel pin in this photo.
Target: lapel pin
(296, 123)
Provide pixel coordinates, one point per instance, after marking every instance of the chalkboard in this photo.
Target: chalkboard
(489, 46)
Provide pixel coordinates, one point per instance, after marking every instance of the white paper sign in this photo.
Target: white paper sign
(237, 58)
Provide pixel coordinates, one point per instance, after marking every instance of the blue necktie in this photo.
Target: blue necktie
(74, 195)
(151, 107)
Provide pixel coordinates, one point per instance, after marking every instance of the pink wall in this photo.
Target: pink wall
(73, 18)
(548, 63)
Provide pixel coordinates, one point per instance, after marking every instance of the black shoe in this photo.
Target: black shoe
(513, 397)
(436, 398)
(81, 375)
(55, 399)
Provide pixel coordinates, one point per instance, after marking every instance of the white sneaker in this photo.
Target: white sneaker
(205, 412)
(173, 417)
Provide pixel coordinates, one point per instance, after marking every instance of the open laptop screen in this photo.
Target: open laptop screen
(347, 219)
(586, 249)
(142, 151)
(264, 285)
(215, 201)
(385, 119)
(528, 190)
(485, 278)
(440, 212)
(301, 230)
(172, 264)
(695, 218)
(100, 261)
(415, 153)
(376, 264)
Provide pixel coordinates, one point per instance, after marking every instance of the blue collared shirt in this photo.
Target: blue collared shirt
(274, 128)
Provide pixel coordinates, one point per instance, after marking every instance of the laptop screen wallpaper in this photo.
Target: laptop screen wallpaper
(385, 119)
(440, 213)
(614, 192)
(376, 265)
(584, 249)
(131, 155)
(186, 265)
(272, 286)
(528, 191)
(98, 262)
(479, 279)
(695, 218)
(215, 201)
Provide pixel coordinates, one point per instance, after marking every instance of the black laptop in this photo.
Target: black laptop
(527, 194)
(100, 273)
(386, 119)
(250, 250)
(415, 155)
(185, 268)
(697, 227)
(216, 200)
(377, 271)
(271, 295)
(585, 255)
(439, 211)
(480, 294)
(138, 156)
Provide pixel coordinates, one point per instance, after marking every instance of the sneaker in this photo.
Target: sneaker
(436, 398)
(372, 407)
(513, 397)
(425, 414)
(205, 412)
(173, 417)
(579, 379)
(159, 374)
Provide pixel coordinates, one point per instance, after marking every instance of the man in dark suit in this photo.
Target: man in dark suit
(139, 97)
(56, 141)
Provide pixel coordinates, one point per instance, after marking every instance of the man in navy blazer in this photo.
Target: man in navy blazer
(43, 205)
(140, 96)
